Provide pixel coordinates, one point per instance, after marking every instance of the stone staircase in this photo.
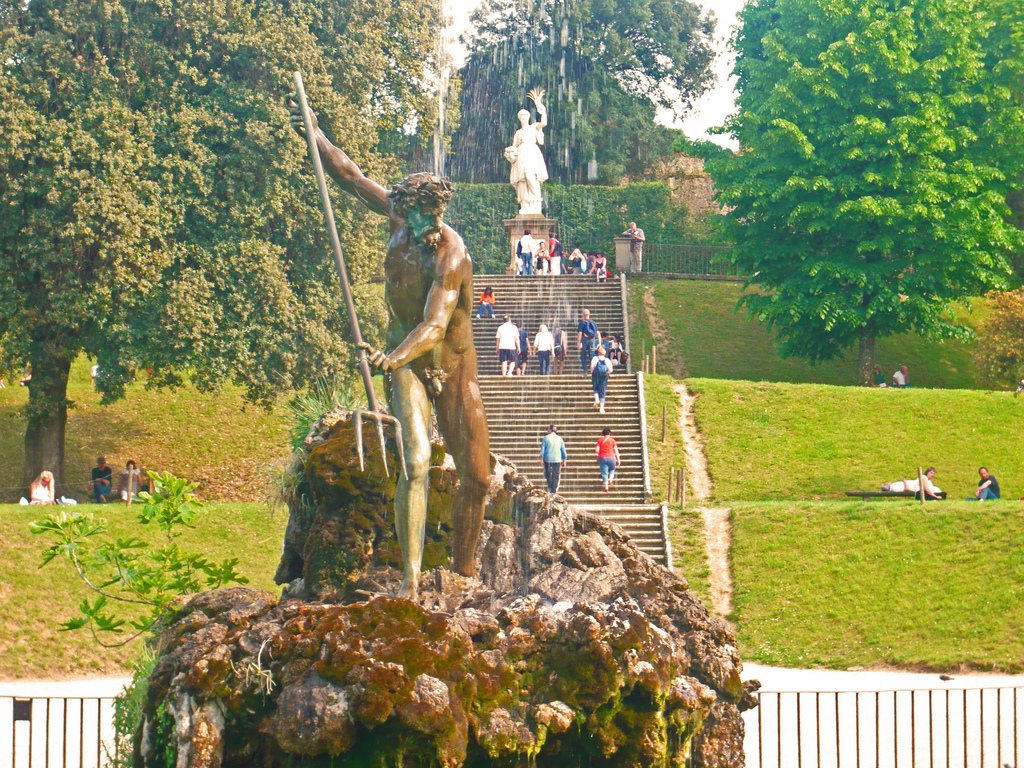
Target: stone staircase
(520, 408)
(556, 301)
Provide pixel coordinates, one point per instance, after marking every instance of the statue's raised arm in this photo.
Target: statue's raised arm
(340, 166)
(536, 95)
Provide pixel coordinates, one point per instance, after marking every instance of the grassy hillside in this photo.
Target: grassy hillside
(806, 441)
(843, 584)
(34, 601)
(703, 336)
(821, 580)
(215, 439)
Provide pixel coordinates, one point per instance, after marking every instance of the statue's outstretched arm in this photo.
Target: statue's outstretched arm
(341, 168)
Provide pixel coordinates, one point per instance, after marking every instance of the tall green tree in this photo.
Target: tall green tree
(606, 66)
(868, 197)
(157, 211)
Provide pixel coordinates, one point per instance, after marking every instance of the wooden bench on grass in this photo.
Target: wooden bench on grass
(883, 494)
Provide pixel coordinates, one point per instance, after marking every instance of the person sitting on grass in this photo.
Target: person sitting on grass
(129, 485)
(41, 490)
(931, 491)
(988, 487)
(879, 377)
(901, 379)
(101, 480)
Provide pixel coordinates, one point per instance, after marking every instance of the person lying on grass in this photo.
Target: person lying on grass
(931, 491)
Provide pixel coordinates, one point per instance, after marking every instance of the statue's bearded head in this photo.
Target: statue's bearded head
(421, 199)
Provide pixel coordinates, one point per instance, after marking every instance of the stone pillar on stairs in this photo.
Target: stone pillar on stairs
(539, 227)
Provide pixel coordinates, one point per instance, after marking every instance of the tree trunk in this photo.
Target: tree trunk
(47, 415)
(866, 359)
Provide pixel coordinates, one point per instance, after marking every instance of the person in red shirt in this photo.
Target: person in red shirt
(608, 457)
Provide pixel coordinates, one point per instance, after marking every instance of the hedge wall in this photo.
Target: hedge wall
(588, 216)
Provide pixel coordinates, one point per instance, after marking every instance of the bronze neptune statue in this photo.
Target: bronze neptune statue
(429, 297)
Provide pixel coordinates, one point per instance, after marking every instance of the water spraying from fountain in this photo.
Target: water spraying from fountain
(445, 66)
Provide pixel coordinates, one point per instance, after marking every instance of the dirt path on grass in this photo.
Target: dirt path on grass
(717, 533)
(668, 362)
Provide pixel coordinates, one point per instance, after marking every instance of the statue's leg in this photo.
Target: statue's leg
(463, 422)
(410, 404)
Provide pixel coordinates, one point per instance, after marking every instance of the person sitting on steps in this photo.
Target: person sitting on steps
(486, 303)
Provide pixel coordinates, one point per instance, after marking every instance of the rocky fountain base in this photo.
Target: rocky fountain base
(571, 648)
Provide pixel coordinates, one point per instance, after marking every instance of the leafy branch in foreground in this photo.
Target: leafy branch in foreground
(129, 571)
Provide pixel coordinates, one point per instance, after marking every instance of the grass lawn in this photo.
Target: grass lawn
(778, 441)
(709, 339)
(838, 584)
(34, 601)
(215, 439)
(685, 525)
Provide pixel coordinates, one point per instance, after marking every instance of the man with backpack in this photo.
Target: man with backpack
(587, 339)
(600, 369)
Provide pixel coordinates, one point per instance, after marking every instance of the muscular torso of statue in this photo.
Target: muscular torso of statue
(410, 272)
(429, 294)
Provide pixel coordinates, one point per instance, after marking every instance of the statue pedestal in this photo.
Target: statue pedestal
(622, 261)
(539, 227)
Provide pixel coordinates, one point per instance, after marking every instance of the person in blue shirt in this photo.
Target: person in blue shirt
(587, 339)
(552, 453)
(988, 486)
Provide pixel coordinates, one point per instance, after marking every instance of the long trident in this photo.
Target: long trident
(374, 411)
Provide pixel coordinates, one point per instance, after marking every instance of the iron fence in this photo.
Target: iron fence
(708, 262)
(939, 728)
(42, 732)
(962, 727)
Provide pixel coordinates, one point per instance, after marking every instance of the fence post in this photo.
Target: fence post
(654, 358)
(920, 483)
(682, 485)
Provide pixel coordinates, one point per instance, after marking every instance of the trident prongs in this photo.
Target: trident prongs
(379, 419)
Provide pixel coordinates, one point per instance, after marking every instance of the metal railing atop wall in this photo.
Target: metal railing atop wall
(962, 727)
(941, 728)
(54, 731)
(707, 262)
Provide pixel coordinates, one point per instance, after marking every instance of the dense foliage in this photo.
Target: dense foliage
(588, 216)
(878, 145)
(606, 67)
(157, 211)
(129, 574)
(1000, 353)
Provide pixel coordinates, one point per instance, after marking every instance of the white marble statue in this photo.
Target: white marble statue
(529, 170)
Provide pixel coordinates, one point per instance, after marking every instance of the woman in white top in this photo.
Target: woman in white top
(544, 345)
(131, 478)
(41, 489)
